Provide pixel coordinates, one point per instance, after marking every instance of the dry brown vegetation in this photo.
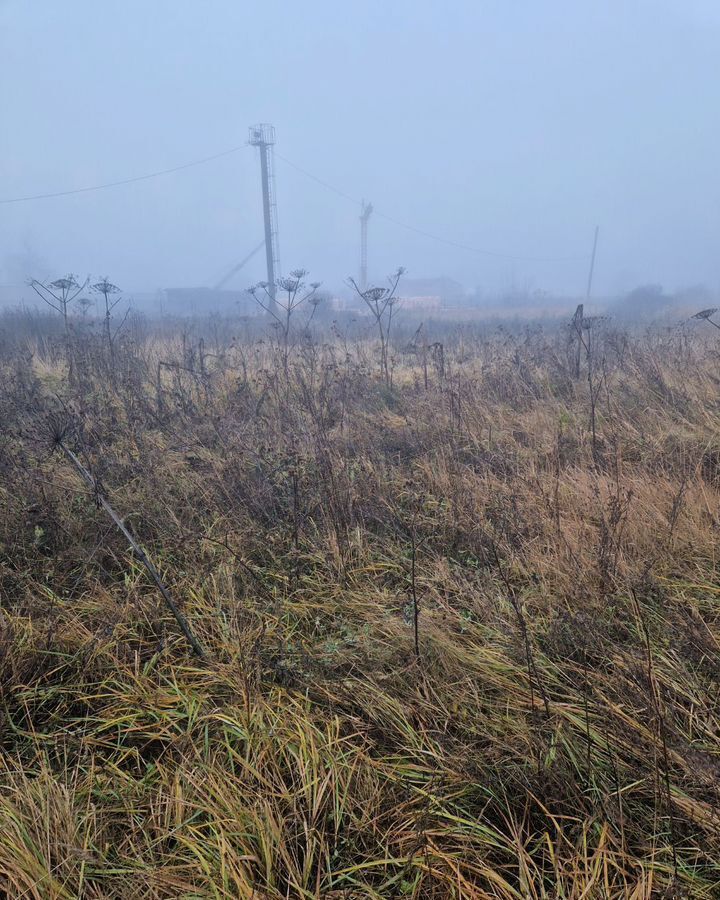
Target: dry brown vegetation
(453, 645)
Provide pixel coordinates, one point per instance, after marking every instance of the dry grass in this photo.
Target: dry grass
(559, 734)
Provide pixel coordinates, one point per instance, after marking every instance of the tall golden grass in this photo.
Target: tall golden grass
(557, 734)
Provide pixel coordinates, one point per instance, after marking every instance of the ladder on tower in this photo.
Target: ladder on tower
(274, 234)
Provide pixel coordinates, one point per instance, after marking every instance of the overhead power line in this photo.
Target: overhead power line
(428, 234)
(110, 184)
(206, 159)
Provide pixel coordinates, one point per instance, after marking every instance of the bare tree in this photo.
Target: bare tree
(381, 301)
(60, 294)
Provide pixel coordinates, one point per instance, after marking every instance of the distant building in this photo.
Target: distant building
(448, 291)
(199, 300)
(343, 304)
(421, 304)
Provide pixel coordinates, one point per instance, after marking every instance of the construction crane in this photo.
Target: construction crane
(365, 212)
(235, 269)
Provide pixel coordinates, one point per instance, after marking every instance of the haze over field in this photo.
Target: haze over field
(381, 563)
(512, 127)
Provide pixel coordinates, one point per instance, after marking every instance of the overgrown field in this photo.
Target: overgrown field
(456, 642)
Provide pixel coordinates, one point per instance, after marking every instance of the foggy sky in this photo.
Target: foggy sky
(511, 125)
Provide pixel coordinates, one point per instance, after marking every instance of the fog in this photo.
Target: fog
(508, 127)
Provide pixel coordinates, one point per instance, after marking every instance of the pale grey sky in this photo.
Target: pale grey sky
(509, 125)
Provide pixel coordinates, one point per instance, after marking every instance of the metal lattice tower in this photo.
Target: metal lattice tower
(263, 137)
(365, 212)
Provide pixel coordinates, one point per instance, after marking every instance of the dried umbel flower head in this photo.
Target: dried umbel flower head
(705, 313)
(591, 321)
(375, 294)
(65, 284)
(105, 287)
(60, 428)
(289, 284)
(48, 433)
